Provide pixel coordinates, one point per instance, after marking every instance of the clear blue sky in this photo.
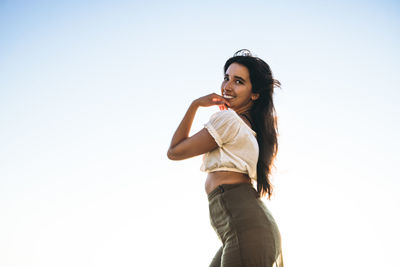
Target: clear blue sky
(92, 92)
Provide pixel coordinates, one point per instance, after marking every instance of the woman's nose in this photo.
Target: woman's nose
(227, 87)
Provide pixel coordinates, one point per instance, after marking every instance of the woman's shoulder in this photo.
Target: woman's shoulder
(246, 120)
(224, 115)
(230, 116)
(225, 119)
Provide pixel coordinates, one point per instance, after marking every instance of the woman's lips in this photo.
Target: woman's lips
(228, 97)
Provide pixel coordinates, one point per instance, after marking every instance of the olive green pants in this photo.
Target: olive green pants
(249, 234)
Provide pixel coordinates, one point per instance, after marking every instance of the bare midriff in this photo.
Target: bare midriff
(214, 179)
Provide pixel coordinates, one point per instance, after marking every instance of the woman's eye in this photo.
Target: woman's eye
(237, 81)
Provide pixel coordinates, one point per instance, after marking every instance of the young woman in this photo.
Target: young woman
(240, 144)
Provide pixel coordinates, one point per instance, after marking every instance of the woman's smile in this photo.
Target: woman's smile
(228, 97)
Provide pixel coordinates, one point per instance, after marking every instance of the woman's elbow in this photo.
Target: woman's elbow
(171, 155)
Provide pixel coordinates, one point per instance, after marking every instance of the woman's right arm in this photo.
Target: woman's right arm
(182, 146)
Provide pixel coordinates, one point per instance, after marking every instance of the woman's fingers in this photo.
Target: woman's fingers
(220, 101)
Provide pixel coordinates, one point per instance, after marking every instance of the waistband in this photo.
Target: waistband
(225, 187)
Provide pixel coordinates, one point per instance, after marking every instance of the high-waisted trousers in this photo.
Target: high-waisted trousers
(249, 234)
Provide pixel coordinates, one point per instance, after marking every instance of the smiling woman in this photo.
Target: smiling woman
(239, 144)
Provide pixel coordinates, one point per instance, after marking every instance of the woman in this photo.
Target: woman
(240, 144)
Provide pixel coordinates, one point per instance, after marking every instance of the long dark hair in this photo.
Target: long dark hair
(263, 115)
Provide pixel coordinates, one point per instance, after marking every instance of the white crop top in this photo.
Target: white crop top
(237, 145)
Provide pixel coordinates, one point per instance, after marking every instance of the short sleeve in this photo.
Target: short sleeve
(223, 126)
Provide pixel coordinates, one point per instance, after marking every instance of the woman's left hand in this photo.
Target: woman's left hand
(213, 99)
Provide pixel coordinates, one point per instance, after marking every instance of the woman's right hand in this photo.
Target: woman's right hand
(212, 99)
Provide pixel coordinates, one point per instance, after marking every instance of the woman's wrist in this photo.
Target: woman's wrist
(195, 104)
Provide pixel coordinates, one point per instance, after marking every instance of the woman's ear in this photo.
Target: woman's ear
(255, 96)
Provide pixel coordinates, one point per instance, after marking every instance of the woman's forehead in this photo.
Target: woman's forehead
(237, 69)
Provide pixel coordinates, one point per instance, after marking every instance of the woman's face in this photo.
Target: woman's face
(236, 88)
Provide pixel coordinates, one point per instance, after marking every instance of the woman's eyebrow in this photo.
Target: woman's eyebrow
(237, 77)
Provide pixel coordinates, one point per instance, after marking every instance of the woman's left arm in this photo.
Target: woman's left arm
(182, 146)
